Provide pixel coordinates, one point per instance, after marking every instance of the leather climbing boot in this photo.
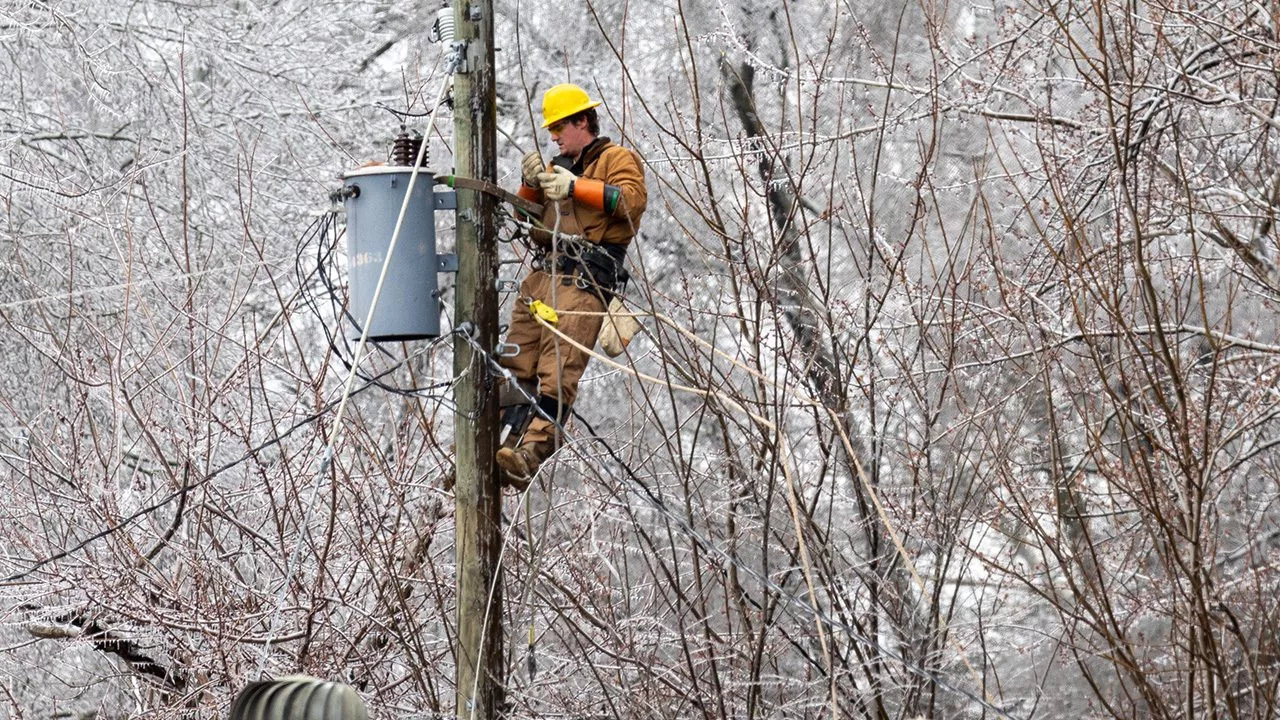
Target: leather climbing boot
(521, 463)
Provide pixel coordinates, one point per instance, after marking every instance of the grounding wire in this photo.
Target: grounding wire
(689, 531)
(326, 247)
(327, 458)
(125, 522)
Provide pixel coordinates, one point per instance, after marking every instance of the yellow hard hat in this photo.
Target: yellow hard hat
(564, 100)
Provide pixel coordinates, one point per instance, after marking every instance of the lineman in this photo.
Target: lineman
(593, 189)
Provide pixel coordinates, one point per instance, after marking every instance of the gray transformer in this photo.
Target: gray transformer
(409, 305)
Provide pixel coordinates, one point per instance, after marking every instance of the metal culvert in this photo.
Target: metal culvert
(298, 698)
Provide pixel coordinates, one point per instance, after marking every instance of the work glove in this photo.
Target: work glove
(557, 184)
(530, 166)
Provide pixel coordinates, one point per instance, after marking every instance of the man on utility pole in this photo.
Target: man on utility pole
(593, 195)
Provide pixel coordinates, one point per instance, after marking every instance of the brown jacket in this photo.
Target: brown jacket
(613, 165)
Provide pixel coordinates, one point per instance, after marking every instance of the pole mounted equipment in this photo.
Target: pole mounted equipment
(409, 308)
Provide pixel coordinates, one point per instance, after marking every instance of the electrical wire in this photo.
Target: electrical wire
(327, 458)
(133, 284)
(319, 231)
(323, 230)
(401, 114)
(764, 422)
(125, 522)
(791, 598)
(330, 306)
(318, 228)
(656, 502)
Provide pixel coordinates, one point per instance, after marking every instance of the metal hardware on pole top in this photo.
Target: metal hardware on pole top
(443, 27)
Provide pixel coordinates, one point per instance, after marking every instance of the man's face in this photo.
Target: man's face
(571, 137)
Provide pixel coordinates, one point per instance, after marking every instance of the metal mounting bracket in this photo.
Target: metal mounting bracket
(458, 56)
(445, 200)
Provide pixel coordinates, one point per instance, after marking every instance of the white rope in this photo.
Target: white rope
(70, 295)
(327, 458)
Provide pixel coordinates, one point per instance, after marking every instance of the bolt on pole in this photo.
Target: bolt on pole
(478, 495)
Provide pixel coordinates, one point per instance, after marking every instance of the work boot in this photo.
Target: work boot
(521, 463)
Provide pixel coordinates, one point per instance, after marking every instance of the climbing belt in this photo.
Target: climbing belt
(591, 267)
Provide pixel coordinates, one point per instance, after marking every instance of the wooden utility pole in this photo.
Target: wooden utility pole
(477, 494)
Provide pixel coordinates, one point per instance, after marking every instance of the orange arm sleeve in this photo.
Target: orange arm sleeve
(596, 194)
(528, 193)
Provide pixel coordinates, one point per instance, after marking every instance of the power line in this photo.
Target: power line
(791, 598)
(75, 294)
(180, 492)
(321, 229)
(656, 502)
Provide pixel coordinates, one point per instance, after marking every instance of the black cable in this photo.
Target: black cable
(778, 590)
(401, 113)
(182, 491)
(684, 528)
(326, 238)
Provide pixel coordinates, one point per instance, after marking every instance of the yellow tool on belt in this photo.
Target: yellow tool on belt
(544, 312)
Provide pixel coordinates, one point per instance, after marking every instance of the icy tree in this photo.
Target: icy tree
(957, 396)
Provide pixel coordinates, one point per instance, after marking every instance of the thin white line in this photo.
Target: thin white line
(136, 283)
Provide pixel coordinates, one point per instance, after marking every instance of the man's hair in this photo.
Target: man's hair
(593, 120)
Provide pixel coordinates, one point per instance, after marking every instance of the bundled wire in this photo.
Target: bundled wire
(316, 260)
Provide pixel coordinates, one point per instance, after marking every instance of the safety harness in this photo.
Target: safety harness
(588, 266)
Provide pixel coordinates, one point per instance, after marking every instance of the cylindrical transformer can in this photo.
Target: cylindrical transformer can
(409, 305)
